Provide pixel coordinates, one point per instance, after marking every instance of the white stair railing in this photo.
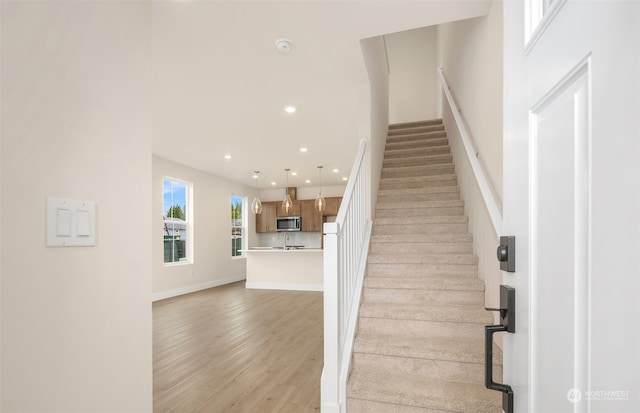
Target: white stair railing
(346, 246)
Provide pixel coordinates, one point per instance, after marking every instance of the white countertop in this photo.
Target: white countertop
(269, 249)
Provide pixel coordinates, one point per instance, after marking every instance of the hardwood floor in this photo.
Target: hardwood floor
(229, 349)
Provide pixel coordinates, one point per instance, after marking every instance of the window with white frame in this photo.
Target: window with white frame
(237, 226)
(176, 220)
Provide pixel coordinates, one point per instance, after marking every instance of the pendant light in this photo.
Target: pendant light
(256, 205)
(287, 203)
(320, 203)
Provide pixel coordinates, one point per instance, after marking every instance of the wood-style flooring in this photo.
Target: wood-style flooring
(229, 349)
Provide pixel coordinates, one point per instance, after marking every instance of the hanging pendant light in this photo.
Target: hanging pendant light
(256, 205)
(287, 203)
(320, 203)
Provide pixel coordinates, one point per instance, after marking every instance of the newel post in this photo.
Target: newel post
(329, 392)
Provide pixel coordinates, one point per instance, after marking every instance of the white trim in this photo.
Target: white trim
(284, 286)
(162, 295)
(532, 36)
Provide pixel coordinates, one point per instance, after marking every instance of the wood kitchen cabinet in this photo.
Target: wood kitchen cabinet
(333, 204)
(266, 221)
(295, 209)
(311, 218)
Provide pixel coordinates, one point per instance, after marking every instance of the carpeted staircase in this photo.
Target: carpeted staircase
(420, 340)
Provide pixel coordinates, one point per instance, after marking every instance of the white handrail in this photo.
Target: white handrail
(486, 189)
(346, 246)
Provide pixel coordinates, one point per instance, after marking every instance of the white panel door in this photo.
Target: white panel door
(572, 199)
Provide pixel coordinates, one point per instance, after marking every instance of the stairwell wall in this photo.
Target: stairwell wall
(470, 51)
(374, 53)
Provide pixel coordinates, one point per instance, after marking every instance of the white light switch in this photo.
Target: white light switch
(84, 226)
(70, 223)
(63, 222)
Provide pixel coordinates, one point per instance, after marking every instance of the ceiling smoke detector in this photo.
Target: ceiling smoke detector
(284, 45)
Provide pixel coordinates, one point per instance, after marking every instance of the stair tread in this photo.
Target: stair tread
(423, 258)
(437, 348)
(433, 219)
(421, 238)
(435, 282)
(423, 392)
(445, 313)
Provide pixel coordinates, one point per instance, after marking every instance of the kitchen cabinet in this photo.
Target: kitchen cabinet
(295, 209)
(311, 218)
(333, 204)
(266, 221)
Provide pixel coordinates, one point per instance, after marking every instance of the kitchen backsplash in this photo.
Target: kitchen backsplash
(277, 239)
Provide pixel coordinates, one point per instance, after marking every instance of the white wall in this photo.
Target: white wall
(76, 321)
(471, 53)
(212, 264)
(375, 57)
(412, 81)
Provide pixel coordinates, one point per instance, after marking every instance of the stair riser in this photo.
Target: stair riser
(419, 212)
(424, 259)
(417, 161)
(416, 130)
(447, 189)
(417, 183)
(420, 229)
(417, 171)
(416, 144)
(421, 270)
(417, 328)
(415, 124)
(408, 153)
(426, 297)
(368, 406)
(436, 369)
(447, 196)
(422, 248)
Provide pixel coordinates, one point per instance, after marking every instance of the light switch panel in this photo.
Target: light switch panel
(70, 223)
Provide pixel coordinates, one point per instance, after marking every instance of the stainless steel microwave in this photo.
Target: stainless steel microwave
(288, 224)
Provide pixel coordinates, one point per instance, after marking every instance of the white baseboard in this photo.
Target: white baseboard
(285, 286)
(195, 287)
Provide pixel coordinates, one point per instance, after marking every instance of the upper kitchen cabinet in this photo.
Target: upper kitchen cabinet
(311, 218)
(333, 204)
(294, 212)
(266, 221)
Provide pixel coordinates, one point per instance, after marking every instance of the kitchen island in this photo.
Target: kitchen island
(285, 269)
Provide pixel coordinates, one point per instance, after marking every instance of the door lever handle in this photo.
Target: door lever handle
(507, 324)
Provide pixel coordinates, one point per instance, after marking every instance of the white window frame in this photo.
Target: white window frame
(188, 210)
(243, 228)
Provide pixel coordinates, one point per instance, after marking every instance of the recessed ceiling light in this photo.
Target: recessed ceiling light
(344, 178)
(290, 109)
(227, 157)
(308, 181)
(336, 170)
(273, 183)
(294, 173)
(303, 149)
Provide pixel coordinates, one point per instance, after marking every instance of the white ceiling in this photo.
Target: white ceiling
(220, 85)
